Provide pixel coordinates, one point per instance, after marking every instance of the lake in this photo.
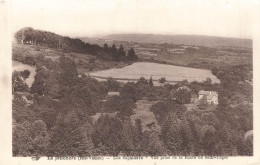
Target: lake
(18, 66)
(156, 71)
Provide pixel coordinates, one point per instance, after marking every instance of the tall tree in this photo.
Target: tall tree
(68, 70)
(129, 91)
(187, 144)
(139, 129)
(69, 138)
(183, 96)
(30, 139)
(151, 81)
(105, 47)
(114, 53)
(107, 130)
(128, 144)
(121, 52)
(171, 134)
(155, 147)
(131, 56)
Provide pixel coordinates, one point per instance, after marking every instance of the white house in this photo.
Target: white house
(210, 96)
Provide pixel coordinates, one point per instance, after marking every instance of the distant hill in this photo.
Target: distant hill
(101, 42)
(198, 40)
(94, 41)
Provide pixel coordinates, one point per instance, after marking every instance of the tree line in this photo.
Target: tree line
(41, 38)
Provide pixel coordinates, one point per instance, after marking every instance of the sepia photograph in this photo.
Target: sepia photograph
(132, 78)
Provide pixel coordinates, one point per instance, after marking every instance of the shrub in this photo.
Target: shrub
(29, 97)
(183, 96)
(142, 80)
(25, 74)
(162, 80)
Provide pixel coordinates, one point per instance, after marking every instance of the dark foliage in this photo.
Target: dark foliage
(55, 117)
(131, 56)
(29, 35)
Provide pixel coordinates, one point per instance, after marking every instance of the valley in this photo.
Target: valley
(86, 99)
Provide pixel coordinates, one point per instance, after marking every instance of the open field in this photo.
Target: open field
(200, 40)
(157, 71)
(187, 54)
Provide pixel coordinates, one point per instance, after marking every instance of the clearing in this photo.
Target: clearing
(142, 112)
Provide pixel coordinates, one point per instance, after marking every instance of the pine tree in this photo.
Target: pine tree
(114, 53)
(187, 145)
(88, 148)
(68, 138)
(30, 139)
(101, 150)
(121, 52)
(105, 47)
(128, 145)
(68, 70)
(108, 132)
(131, 56)
(171, 134)
(151, 81)
(155, 147)
(139, 129)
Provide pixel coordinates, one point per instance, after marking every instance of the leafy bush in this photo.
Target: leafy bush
(183, 96)
(162, 80)
(25, 74)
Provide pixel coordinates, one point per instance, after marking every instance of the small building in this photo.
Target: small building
(110, 94)
(210, 96)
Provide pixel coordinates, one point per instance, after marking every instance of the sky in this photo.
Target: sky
(75, 18)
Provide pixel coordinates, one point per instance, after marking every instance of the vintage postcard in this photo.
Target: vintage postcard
(129, 81)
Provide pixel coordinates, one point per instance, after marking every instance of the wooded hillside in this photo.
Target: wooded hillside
(29, 35)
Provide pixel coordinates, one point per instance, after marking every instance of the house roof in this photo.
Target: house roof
(184, 87)
(113, 93)
(208, 93)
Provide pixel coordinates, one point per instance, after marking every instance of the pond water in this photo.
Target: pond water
(18, 66)
(156, 71)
